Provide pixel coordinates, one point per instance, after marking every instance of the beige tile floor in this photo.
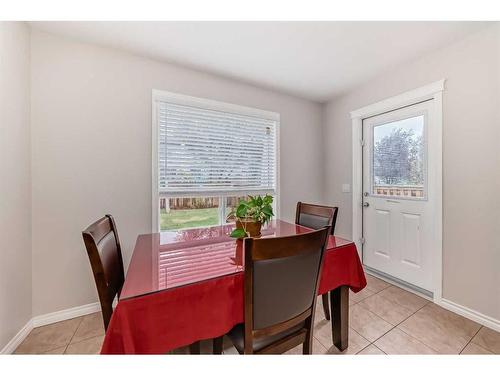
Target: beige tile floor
(383, 319)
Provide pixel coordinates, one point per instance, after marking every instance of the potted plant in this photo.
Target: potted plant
(250, 214)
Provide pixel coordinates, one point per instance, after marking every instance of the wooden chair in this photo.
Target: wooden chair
(315, 216)
(281, 284)
(105, 255)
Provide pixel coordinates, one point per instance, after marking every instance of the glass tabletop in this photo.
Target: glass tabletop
(171, 259)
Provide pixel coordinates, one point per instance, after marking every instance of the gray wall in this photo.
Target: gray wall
(90, 154)
(91, 125)
(471, 160)
(15, 180)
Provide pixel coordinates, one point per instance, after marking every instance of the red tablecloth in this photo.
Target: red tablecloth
(159, 322)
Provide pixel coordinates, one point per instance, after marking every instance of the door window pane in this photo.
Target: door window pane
(398, 156)
(177, 213)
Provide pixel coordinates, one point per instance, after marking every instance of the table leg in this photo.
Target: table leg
(194, 348)
(339, 300)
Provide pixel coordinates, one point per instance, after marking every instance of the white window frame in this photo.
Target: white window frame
(165, 96)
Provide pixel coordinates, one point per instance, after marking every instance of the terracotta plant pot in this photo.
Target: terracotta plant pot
(252, 227)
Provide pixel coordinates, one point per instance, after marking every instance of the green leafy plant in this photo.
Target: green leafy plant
(252, 209)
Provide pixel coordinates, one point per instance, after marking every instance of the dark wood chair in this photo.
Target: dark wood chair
(281, 284)
(105, 255)
(315, 216)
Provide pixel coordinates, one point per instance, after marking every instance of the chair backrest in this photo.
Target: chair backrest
(281, 282)
(105, 255)
(315, 216)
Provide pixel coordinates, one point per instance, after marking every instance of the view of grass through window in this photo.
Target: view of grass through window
(180, 213)
(190, 218)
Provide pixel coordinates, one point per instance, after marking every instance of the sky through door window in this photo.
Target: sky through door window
(398, 156)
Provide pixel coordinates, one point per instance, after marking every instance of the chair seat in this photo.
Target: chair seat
(237, 335)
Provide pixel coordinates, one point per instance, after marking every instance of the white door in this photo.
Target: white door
(398, 204)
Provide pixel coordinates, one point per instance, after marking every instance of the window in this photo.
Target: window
(206, 156)
(398, 158)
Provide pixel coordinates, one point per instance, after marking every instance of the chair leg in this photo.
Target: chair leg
(195, 348)
(326, 307)
(308, 342)
(218, 345)
(306, 348)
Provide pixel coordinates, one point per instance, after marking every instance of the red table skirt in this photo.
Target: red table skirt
(159, 322)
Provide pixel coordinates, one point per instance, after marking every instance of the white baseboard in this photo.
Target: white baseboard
(43, 320)
(74, 312)
(474, 315)
(90, 308)
(18, 338)
(466, 312)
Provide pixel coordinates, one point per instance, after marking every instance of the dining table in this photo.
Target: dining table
(186, 285)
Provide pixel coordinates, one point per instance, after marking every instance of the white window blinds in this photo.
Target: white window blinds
(201, 149)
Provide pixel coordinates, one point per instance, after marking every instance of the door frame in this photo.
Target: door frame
(431, 91)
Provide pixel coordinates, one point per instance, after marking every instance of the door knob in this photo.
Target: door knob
(366, 204)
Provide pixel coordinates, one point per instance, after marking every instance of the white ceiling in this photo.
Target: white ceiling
(314, 60)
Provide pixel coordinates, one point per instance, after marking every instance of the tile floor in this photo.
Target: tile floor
(384, 319)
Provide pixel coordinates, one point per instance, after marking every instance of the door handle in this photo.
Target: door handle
(366, 204)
